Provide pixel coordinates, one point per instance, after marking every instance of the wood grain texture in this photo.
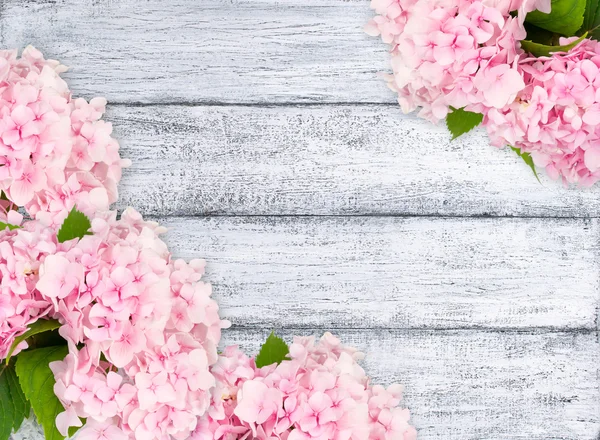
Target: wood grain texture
(208, 50)
(390, 272)
(322, 160)
(238, 108)
(472, 385)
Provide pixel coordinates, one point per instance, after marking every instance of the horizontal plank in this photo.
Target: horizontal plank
(207, 51)
(471, 385)
(320, 160)
(393, 272)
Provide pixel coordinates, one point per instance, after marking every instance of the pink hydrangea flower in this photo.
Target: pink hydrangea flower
(123, 295)
(55, 152)
(141, 328)
(466, 54)
(129, 372)
(321, 393)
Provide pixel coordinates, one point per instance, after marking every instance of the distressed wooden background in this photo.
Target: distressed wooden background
(261, 133)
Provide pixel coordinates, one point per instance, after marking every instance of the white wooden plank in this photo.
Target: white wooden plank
(208, 50)
(472, 385)
(390, 272)
(322, 160)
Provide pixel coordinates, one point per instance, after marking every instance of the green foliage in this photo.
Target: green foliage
(591, 19)
(461, 121)
(37, 382)
(47, 339)
(542, 36)
(76, 225)
(566, 17)
(14, 407)
(539, 50)
(528, 160)
(3, 226)
(3, 195)
(19, 401)
(273, 351)
(73, 429)
(39, 326)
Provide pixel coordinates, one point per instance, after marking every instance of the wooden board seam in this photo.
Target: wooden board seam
(406, 330)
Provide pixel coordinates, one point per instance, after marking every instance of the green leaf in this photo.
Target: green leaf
(20, 402)
(37, 382)
(47, 339)
(591, 19)
(273, 351)
(39, 326)
(13, 405)
(461, 121)
(542, 36)
(528, 160)
(76, 225)
(7, 409)
(540, 50)
(3, 226)
(73, 429)
(565, 17)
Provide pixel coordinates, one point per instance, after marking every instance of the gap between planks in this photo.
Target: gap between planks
(294, 328)
(200, 103)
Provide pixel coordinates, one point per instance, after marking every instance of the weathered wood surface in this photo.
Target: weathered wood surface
(476, 385)
(324, 160)
(391, 272)
(207, 50)
(273, 110)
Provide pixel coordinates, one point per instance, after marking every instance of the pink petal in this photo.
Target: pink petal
(165, 393)
(21, 115)
(114, 380)
(120, 354)
(591, 116)
(592, 158)
(98, 197)
(21, 192)
(10, 137)
(444, 55)
(66, 419)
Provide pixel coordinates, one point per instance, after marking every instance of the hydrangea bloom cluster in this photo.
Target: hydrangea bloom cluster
(141, 328)
(320, 393)
(55, 152)
(124, 307)
(21, 253)
(466, 54)
(150, 318)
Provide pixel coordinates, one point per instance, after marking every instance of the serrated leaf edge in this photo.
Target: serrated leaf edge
(73, 212)
(17, 395)
(264, 346)
(528, 161)
(7, 409)
(50, 354)
(451, 130)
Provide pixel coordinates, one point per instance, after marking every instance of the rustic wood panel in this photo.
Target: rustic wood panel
(390, 272)
(322, 160)
(208, 50)
(489, 322)
(474, 385)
